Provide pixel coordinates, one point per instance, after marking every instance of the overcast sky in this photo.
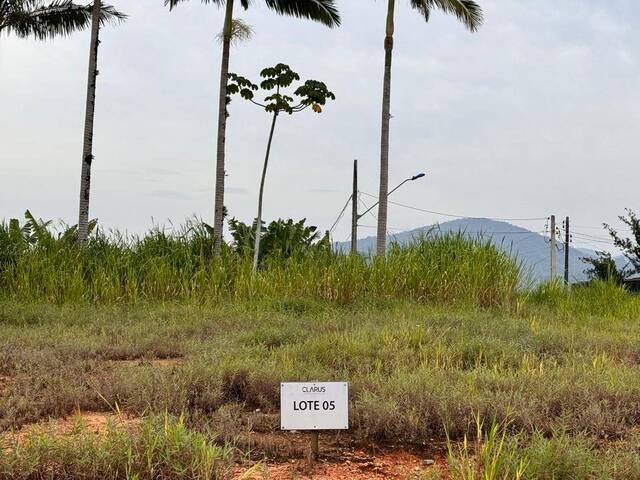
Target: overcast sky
(537, 113)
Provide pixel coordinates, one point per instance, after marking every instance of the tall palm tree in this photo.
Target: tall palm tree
(323, 11)
(470, 14)
(87, 144)
(43, 20)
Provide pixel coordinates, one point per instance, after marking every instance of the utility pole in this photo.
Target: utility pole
(355, 216)
(354, 210)
(567, 239)
(554, 253)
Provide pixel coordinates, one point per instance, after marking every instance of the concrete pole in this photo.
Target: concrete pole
(554, 252)
(354, 210)
(567, 240)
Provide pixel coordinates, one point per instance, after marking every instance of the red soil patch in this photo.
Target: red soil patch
(339, 459)
(90, 422)
(356, 465)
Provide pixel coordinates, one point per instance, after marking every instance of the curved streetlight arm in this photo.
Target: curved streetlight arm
(415, 177)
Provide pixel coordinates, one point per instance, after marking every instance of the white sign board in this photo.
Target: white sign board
(314, 406)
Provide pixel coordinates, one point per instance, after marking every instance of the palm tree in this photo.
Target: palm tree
(44, 20)
(87, 144)
(35, 18)
(470, 14)
(323, 11)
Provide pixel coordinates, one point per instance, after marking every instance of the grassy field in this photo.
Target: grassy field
(552, 377)
(446, 351)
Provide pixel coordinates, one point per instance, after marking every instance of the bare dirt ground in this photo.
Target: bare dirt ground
(355, 465)
(340, 458)
(94, 422)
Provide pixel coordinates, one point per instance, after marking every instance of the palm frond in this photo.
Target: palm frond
(35, 18)
(241, 31)
(174, 3)
(323, 11)
(467, 11)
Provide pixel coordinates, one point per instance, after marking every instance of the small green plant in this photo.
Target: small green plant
(491, 456)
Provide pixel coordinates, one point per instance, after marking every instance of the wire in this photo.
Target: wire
(451, 215)
(601, 227)
(335, 224)
(481, 232)
(398, 229)
(366, 207)
(602, 242)
(594, 237)
(588, 227)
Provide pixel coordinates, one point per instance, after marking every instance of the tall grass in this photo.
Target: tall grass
(180, 266)
(161, 447)
(494, 454)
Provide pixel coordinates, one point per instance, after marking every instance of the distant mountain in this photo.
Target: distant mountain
(529, 248)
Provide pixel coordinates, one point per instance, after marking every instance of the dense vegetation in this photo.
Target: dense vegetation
(36, 264)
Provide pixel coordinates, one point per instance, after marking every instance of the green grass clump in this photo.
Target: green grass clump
(496, 454)
(160, 447)
(597, 299)
(178, 267)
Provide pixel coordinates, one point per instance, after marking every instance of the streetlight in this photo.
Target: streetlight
(355, 217)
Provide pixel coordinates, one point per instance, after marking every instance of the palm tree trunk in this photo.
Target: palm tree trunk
(256, 247)
(381, 239)
(218, 215)
(87, 149)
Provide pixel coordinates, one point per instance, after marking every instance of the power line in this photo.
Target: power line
(590, 227)
(398, 229)
(366, 207)
(466, 232)
(451, 215)
(340, 215)
(591, 243)
(601, 227)
(594, 237)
